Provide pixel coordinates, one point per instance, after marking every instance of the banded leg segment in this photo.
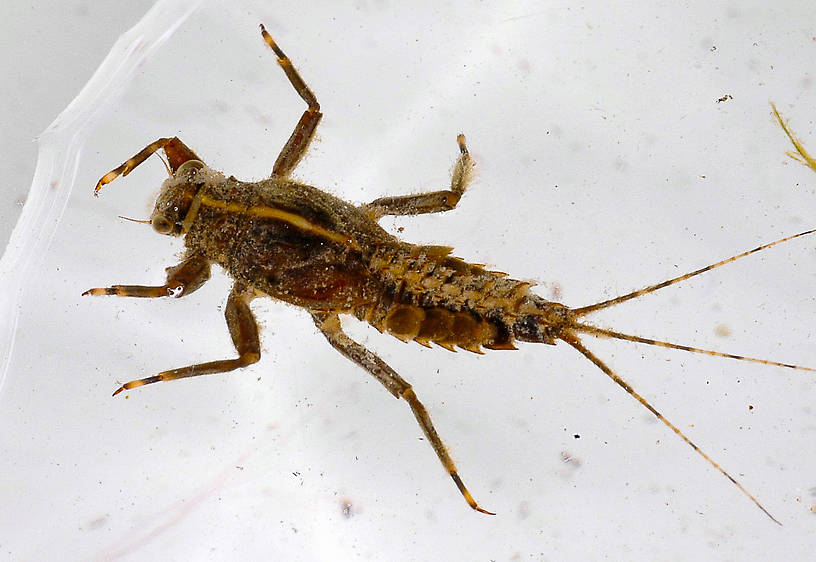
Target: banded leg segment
(182, 279)
(176, 151)
(301, 137)
(329, 325)
(433, 202)
(244, 331)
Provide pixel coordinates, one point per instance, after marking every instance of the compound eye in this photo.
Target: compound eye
(162, 225)
(189, 168)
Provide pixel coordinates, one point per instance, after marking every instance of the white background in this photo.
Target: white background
(605, 164)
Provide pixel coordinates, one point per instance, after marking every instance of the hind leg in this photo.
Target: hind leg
(329, 324)
(433, 202)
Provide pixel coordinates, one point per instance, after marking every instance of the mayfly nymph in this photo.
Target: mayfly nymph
(298, 244)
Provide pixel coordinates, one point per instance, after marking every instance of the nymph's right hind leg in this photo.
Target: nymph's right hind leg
(433, 202)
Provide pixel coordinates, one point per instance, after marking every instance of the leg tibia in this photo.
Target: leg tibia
(301, 137)
(244, 331)
(433, 202)
(182, 279)
(176, 151)
(329, 324)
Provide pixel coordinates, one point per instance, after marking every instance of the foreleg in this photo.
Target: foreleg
(182, 279)
(176, 151)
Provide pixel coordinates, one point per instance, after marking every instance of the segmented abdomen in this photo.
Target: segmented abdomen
(430, 296)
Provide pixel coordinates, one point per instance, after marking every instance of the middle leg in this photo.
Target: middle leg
(244, 331)
(298, 143)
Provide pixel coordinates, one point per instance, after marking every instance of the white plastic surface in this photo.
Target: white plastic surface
(605, 163)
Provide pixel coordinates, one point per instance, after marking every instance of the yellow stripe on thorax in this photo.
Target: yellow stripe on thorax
(294, 219)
